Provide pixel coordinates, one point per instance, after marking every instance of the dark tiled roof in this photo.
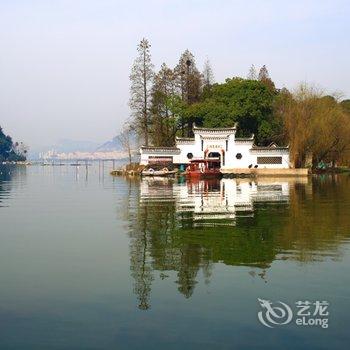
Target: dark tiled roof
(152, 149)
(251, 138)
(271, 147)
(185, 139)
(199, 128)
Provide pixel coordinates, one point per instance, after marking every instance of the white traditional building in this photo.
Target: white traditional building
(222, 143)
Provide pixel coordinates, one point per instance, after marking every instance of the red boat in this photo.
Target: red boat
(203, 168)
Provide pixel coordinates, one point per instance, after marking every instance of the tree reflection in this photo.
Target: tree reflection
(8, 175)
(318, 220)
(187, 227)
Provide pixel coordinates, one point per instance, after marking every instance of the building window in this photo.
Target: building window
(226, 145)
(269, 160)
(202, 145)
(189, 155)
(239, 155)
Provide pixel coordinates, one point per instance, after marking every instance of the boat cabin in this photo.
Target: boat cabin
(203, 167)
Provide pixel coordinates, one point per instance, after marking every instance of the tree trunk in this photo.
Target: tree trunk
(145, 113)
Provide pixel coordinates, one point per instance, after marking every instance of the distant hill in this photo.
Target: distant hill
(115, 145)
(64, 146)
(69, 146)
(112, 145)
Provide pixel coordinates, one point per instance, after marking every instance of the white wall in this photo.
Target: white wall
(239, 147)
(143, 158)
(217, 143)
(272, 153)
(190, 147)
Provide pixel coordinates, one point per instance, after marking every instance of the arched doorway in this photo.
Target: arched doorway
(220, 157)
(216, 155)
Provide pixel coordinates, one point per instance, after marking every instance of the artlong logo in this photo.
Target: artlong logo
(308, 313)
(274, 315)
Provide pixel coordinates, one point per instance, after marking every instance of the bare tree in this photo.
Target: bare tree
(141, 78)
(208, 75)
(125, 140)
(314, 124)
(252, 75)
(20, 149)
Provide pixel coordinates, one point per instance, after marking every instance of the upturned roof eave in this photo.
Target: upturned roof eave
(199, 128)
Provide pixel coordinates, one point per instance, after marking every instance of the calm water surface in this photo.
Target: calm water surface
(88, 261)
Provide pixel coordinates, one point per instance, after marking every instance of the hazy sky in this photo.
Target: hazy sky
(64, 64)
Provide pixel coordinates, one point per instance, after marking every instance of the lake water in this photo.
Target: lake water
(89, 261)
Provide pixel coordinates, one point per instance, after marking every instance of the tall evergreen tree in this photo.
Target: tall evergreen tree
(264, 77)
(263, 73)
(189, 78)
(163, 118)
(141, 78)
(189, 82)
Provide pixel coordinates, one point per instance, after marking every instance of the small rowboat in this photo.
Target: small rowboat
(162, 172)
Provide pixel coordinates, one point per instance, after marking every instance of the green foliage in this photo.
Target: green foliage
(248, 102)
(7, 152)
(209, 113)
(5, 146)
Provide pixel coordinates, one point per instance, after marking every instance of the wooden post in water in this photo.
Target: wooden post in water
(86, 169)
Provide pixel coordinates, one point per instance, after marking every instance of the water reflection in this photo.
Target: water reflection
(187, 227)
(8, 178)
(213, 202)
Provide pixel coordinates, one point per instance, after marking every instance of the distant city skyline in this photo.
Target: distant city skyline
(64, 65)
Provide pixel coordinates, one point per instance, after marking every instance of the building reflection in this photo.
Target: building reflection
(214, 202)
(185, 228)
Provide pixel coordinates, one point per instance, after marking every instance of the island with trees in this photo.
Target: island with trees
(167, 103)
(11, 151)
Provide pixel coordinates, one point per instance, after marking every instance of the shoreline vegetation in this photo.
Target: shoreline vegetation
(166, 104)
(11, 152)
